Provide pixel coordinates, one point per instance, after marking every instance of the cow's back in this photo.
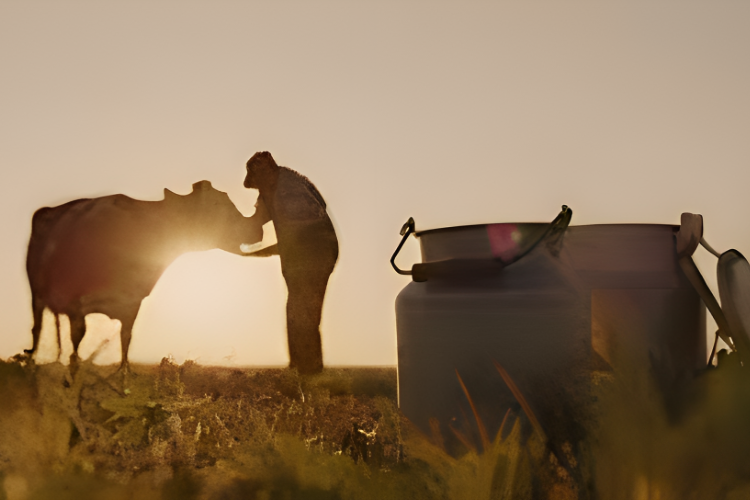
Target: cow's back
(102, 249)
(44, 228)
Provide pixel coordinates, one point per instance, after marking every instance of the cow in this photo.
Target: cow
(104, 255)
(307, 247)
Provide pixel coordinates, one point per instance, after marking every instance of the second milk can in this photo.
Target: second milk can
(549, 303)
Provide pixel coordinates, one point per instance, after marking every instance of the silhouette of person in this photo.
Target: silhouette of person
(307, 246)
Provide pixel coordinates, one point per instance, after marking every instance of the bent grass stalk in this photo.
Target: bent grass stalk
(504, 469)
(480, 424)
(521, 400)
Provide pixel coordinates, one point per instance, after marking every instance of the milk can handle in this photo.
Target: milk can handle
(687, 239)
(553, 236)
(406, 230)
(555, 232)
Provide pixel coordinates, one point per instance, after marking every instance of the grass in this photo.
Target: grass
(195, 432)
(702, 452)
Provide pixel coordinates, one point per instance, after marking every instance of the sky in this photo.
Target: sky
(449, 112)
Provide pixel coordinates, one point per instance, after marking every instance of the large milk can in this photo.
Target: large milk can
(551, 304)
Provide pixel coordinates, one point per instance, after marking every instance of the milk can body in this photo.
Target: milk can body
(552, 320)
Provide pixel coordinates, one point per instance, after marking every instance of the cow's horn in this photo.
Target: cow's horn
(201, 185)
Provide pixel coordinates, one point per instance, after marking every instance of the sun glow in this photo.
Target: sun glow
(212, 307)
(215, 308)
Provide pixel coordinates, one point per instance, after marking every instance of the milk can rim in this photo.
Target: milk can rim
(468, 226)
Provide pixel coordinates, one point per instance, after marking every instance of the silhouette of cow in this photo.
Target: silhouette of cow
(104, 255)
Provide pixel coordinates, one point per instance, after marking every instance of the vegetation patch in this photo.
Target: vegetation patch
(190, 431)
(196, 432)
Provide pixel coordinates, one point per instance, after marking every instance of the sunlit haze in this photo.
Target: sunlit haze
(450, 112)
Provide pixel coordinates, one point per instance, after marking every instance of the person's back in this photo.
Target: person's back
(303, 228)
(302, 201)
(307, 247)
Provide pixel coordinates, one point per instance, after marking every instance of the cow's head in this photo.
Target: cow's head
(261, 168)
(207, 218)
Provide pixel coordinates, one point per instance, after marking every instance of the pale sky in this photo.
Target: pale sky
(450, 112)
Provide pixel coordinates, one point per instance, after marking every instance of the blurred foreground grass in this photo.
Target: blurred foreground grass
(678, 443)
(195, 432)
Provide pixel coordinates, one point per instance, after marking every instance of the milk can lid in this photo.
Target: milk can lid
(733, 273)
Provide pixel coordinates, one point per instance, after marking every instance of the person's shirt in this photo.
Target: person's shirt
(296, 199)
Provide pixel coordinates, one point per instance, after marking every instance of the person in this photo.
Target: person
(307, 247)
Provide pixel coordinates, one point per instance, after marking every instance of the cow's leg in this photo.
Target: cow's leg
(59, 339)
(37, 307)
(306, 287)
(126, 331)
(77, 331)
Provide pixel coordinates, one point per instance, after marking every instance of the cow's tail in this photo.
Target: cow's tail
(34, 256)
(40, 225)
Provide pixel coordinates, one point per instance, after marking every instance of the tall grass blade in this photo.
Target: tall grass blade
(521, 400)
(480, 424)
(464, 440)
(499, 435)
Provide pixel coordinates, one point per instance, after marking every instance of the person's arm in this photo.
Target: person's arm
(259, 218)
(263, 252)
(261, 215)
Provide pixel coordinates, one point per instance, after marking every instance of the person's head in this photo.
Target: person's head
(259, 167)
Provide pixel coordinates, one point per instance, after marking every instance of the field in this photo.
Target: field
(195, 432)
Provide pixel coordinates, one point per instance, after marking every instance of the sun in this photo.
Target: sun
(215, 308)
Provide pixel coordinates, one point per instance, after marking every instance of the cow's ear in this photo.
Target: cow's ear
(169, 195)
(201, 186)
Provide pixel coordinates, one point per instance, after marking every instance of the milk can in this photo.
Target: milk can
(550, 303)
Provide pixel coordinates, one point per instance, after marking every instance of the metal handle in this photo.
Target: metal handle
(422, 271)
(406, 230)
(557, 229)
(687, 239)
